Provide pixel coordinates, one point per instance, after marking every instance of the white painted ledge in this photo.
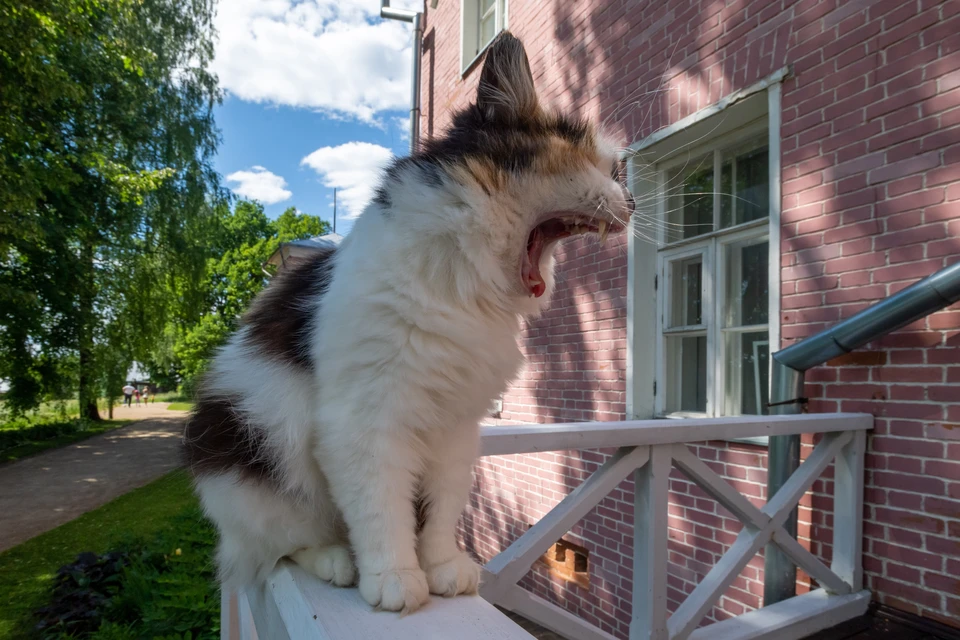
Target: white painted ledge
(791, 619)
(297, 606)
(532, 438)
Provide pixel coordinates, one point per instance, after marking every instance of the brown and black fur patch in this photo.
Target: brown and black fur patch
(217, 439)
(281, 317)
(505, 132)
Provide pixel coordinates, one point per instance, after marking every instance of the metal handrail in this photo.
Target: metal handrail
(789, 365)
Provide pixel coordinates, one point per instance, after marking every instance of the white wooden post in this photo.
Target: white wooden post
(229, 616)
(651, 484)
(848, 512)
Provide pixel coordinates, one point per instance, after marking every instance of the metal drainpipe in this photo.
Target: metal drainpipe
(414, 17)
(786, 390)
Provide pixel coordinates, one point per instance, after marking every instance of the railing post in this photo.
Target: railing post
(651, 483)
(848, 512)
(229, 615)
(783, 459)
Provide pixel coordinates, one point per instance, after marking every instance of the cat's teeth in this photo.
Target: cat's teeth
(603, 232)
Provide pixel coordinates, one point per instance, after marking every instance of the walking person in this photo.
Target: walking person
(146, 395)
(128, 390)
(136, 396)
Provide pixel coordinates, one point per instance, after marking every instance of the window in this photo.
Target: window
(703, 277)
(481, 21)
(713, 260)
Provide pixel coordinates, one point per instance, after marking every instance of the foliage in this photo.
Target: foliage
(80, 591)
(171, 396)
(106, 141)
(234, 275)
(27, 571)
(161, 588)
(180, 406)
(20, 438)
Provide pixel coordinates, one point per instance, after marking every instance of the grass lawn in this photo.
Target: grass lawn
(16, 443)
(26, 571)
(180, 406)
(51, 425)
(171, 396)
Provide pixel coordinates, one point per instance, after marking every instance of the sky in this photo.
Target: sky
(317, 97)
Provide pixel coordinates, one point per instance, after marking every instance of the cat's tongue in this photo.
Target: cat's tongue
(530, 270)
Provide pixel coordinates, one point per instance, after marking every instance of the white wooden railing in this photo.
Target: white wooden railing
(296, 605)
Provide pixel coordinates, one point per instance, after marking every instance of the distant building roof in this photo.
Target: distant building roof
(302, 248)
(136, 374)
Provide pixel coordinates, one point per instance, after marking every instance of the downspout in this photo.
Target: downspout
(789, 365)
(414, 17)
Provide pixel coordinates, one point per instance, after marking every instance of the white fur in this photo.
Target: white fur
(415, 336)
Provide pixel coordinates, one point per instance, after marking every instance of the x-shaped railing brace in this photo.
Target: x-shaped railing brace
(651, 466)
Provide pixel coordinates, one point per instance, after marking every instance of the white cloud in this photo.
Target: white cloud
(403, 125)
(260, 184)
(332, 55)
(353, 168)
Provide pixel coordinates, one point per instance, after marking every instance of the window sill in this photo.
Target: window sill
(468, 68)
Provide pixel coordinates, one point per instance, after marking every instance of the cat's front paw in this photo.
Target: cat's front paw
(456, 576)
(404, 590)
(332, 563)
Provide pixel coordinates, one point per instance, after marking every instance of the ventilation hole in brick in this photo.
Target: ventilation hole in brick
(569, 562)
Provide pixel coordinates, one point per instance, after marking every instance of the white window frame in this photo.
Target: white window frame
(470, 46)
(646, 260)
(711, 245)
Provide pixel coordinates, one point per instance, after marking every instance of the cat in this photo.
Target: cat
(355, 385)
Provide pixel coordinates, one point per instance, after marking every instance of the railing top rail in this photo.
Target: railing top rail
(531, 438)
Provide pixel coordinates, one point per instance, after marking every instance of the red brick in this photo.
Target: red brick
(943, 175)
(943, 546)
(941, 583)
(910, 201)
(719, 49)
(916, 484)
(854, 263)
(904, 168)
(907, 447)
(942, 212)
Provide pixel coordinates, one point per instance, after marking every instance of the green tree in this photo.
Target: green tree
(106, 142)
(236, 275)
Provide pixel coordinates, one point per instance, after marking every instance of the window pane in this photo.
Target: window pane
(687, 373)
(690, 200)
(744, 183)
(487, 29)
(747, 284)
(747, 373)
(686, 306)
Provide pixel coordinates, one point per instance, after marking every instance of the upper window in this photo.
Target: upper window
(713, 273)
(481, 21)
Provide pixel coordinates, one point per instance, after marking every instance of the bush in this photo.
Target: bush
(21, 430)
(23, 437)
(162, 588)
(80, 590)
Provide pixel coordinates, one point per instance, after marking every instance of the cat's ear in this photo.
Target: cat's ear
(506, 92)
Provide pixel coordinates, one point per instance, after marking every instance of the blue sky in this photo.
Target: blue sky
(317, 97)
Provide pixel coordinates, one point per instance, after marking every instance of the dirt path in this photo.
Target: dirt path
(54, 487)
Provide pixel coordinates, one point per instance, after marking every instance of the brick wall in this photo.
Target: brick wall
(871, 202)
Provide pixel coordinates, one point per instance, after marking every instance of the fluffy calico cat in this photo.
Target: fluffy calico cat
(355, 385)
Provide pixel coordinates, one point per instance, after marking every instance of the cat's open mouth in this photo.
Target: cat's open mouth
(552, 230)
